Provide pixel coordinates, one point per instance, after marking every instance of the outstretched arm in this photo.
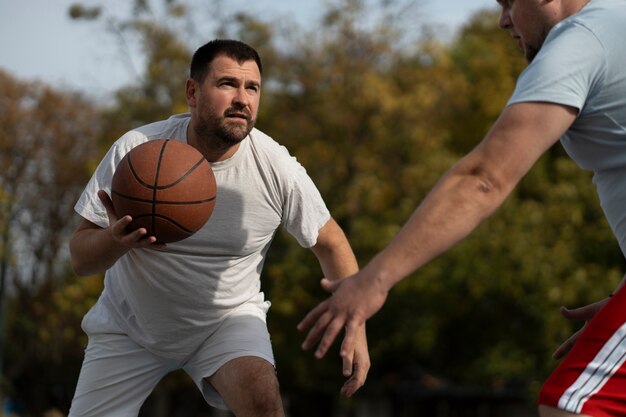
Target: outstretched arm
(94, 249)
(466, 195)
(338, 261)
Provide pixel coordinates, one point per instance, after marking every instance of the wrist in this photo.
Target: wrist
(379, 275)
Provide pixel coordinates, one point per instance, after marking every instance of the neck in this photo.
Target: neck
(212, 149)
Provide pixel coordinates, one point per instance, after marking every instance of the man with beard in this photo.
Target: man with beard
(196, 304)
(574, 89)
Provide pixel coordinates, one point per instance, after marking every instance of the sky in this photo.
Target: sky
(40, 42)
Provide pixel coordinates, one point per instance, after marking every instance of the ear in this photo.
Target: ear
(191, 88)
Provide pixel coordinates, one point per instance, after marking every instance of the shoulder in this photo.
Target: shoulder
(568, 69)
(173, 128)
(267, 147)
(265, 142)
(276, 160)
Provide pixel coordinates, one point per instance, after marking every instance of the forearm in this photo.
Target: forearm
(93, 251)
(452, 210)
(339, 264)
(334, 253)
(474, 188)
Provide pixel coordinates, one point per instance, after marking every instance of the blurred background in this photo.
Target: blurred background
(377, 99)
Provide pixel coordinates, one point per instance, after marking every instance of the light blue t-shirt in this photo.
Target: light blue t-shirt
(582, 64)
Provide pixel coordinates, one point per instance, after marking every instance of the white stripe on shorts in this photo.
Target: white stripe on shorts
(597, 373)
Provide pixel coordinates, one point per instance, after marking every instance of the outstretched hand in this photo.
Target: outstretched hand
(354, 300)
(582, 313)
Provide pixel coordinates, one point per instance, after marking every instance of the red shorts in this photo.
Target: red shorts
(592, 378)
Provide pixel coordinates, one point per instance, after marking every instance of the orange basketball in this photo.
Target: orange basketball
(167, 187)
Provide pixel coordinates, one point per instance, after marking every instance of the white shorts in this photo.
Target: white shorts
(117, 375)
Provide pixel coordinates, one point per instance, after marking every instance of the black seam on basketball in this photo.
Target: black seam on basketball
(137, 177)
(185, 175)
(156, 182)
(144, 200)
(161, 187)
(169, 219)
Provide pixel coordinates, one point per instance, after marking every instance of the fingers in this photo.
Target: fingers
(322, 325)
(119, 227)
(137, 238)
(332, 330)
(359, 363)
(356, 379)
(108, 205)
(352, 385)
(134, 239)
(583, 313)
(121, 233)
(311, 319)
(566, 346)
(349, 340)
(347, 361)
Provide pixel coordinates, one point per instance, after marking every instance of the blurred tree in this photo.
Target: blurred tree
(376, 125)
(483, 64)
(46, 142)
(353, 105)
(376, 116)
(486, 313)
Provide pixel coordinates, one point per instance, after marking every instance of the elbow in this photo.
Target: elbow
(78, 270)
(78, 267)
(485, 185)
(488, 183)
(490, 190)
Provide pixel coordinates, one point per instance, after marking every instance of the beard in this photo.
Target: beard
(222, 132)
(530, 53)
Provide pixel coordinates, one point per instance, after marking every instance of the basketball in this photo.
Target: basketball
(167, 187)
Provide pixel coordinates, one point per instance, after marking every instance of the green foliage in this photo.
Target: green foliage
(46, 344)
(47, 141)
(375, 123)
(376, 127)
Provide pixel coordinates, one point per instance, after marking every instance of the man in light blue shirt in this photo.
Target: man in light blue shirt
(574, 90)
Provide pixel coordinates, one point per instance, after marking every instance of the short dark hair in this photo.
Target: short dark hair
(237, 50)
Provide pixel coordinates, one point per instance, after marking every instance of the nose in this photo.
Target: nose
(241, 97)
(505, 19)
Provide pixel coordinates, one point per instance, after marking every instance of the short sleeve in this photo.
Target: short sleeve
(88, 204)
(566, 71)
(304, 210)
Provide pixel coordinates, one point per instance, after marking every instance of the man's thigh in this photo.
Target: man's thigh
(116, 377)
(238, 337)
(249, 387)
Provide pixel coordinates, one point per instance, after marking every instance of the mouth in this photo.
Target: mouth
(240, 116)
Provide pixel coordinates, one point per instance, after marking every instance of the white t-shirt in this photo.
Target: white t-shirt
(582, 64)
(171, 300)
